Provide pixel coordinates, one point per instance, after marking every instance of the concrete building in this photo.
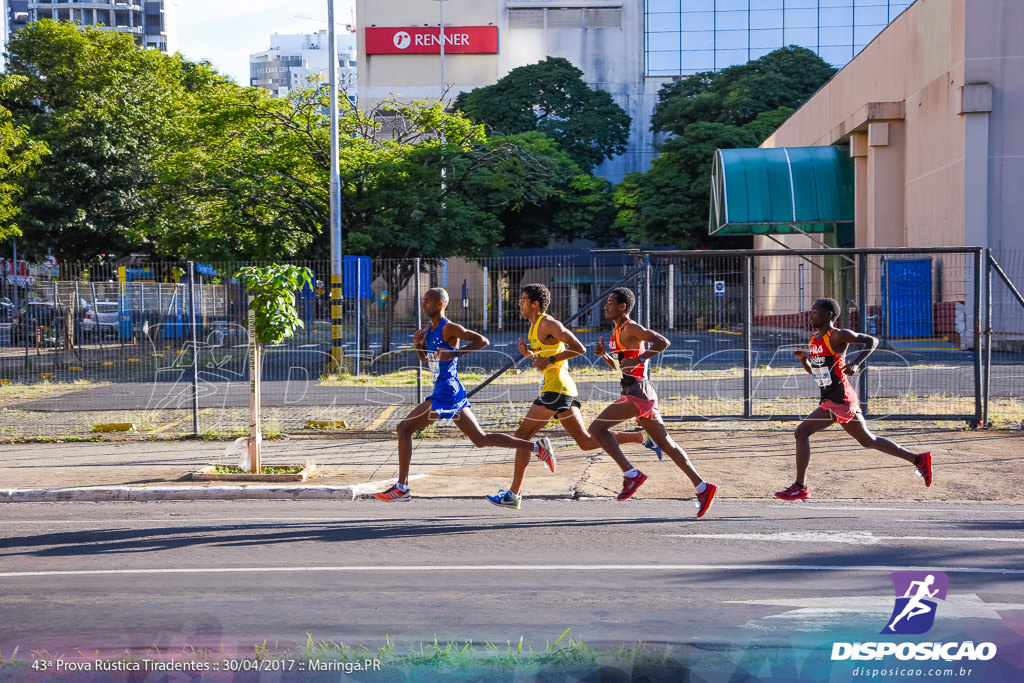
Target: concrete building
(293, 59)
(930, 114)
(629, 48)
(150, 22)
(930, 111)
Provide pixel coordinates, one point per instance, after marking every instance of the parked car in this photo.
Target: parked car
(39, 322)
(101, 319)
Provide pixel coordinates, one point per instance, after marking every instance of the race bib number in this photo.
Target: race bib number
(821, 375)
(434, 361)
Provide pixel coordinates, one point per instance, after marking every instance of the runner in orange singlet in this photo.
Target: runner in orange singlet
(825, 361)
(631, 347)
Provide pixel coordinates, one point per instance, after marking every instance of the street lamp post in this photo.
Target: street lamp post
(337, 291)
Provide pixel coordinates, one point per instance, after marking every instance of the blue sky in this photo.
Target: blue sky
(226, 32)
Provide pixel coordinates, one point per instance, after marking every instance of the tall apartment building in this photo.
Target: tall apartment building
(293, 59)
(630, 48)
(150, 22)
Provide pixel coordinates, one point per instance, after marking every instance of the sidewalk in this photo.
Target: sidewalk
(747, 464)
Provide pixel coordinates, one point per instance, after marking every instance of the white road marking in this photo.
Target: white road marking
(516, 568)
(852, 537)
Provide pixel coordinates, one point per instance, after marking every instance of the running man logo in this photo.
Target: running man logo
(914, 612)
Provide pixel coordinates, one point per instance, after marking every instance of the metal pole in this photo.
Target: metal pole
(195, 347)
(359, 313)
(486, 298)
(978, 369)
(748, 334)
(337, 292)
(671, 296)
(988, 338)
(419, 326)
(862, 294)
(442, 54)
(647, 290)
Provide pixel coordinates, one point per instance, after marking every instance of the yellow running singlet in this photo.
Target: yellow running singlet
(556, 376)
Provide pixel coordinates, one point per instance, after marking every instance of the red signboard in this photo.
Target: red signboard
(427, 40)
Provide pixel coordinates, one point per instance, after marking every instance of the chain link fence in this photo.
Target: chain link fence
(85, 347)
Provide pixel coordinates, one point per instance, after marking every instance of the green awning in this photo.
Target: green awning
(768, 191)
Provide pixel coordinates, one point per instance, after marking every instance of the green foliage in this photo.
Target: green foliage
(18, 153)
(101, 104)
(272, 289)
(738, 107)
(551, 97)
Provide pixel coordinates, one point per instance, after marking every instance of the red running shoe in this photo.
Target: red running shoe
(393, 495)
(545, 452)
(924, 468)
(630, 485)
(794, 492)
(704, 500)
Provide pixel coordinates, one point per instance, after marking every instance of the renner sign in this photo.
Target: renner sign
(427, 40)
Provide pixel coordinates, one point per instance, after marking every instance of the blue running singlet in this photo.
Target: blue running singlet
(448, 396)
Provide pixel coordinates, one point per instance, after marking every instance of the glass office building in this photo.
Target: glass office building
(683, 37)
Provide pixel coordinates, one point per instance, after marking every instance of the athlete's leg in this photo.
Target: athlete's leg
(601, 431)
(417, 420)
(465, 420)
(655, 428)
(819, 419)
(572, 423)
(858, 429)
(536, 418)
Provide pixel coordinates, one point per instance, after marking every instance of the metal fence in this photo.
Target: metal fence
(92, 344)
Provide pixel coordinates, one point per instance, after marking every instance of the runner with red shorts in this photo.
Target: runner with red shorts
(825, 361)
(631, 347)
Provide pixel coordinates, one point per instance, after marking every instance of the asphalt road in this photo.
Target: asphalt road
(233, 574)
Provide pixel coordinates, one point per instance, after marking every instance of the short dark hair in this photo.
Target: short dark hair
(441, 293)
(624, 295)
(539, 293)
(830, 306)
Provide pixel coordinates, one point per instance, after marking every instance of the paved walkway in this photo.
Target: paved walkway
(747, 464)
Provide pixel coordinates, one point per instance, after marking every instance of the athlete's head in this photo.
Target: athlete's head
(829, 307)
(538, 293)
(435, 300)
(620, 296)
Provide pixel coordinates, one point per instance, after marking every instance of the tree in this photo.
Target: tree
(738, 107)
(18, 152)
(551, 97)
(273, 319)
(100, 103)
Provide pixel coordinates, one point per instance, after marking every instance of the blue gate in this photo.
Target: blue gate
(907, 296)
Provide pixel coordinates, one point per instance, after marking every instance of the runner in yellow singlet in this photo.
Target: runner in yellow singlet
(550, 344)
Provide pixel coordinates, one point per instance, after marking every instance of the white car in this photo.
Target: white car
(101, 319)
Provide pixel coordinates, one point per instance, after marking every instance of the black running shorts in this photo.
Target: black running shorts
(559, 403)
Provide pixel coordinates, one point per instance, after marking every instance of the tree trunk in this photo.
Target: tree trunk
(255, 433)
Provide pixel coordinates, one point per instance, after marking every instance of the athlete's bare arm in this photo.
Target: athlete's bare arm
(549, 329)
(844, 338)
(801, 354)
(419, 342)
(454, 332)
(632, 334)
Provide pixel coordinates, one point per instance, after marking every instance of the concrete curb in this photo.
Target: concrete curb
(102, 494)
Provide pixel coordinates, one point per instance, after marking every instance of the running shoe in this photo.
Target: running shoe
(545, 452)
(393, 495)
(630, 485)
(924, 468)
(704, 500)
(649, 443)
(506, 499)
(794, 492)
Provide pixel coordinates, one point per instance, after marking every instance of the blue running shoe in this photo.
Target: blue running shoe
(649, 443)
(506, 499)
